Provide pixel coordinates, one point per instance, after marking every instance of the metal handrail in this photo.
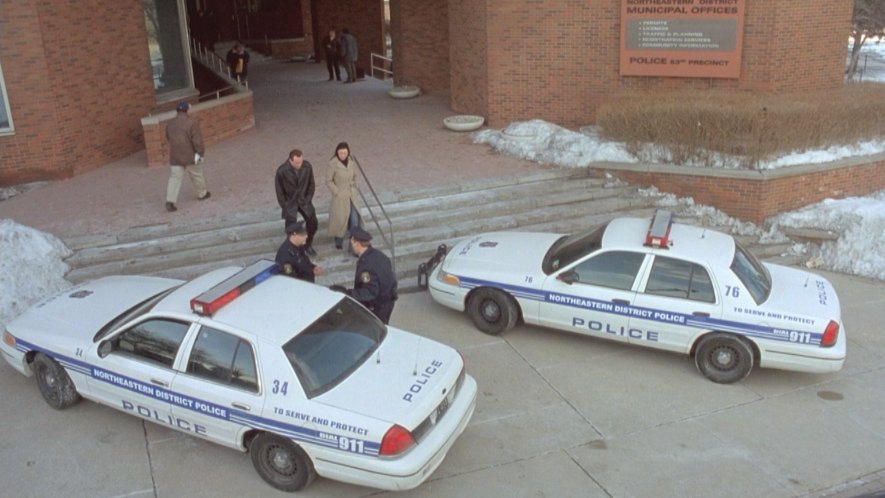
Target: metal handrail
(372, 66)
(390, 243)
(216, 64)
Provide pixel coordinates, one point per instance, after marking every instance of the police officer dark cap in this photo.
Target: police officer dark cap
(295, 227)
(360, 235)
(183, 106)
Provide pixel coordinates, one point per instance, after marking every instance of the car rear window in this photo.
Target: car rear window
(751, 273)
(334, 346)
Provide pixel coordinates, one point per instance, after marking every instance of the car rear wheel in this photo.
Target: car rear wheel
(282, 463)
(724, 358)
(492, 311)
(55, 385)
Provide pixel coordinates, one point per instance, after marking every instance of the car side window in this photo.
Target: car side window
(223, 358)
(155, 340)
(615, 269)
(676, 278)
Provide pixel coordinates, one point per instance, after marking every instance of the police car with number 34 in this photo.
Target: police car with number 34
(306, 380)
(657, 284)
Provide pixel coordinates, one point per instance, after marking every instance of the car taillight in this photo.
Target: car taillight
(396, 441)
(831, 333)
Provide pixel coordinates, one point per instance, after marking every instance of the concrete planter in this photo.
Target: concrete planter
(404, 92)
(464, 122)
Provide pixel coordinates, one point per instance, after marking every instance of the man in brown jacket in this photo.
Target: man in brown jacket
(185, 154)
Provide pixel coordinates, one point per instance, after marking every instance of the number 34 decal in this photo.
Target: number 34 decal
(280, 387)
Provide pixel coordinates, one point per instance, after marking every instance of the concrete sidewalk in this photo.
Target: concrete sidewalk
(401, 144)
(557, 415)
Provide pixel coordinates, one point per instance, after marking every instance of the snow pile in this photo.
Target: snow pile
(860, 249)
(31, 268)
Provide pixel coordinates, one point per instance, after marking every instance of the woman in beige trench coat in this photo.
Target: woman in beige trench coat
(345, 207)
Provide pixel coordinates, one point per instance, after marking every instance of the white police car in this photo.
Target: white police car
(661, 284)
(305, 379)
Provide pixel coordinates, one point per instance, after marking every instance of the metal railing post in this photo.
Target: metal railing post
(390, 243)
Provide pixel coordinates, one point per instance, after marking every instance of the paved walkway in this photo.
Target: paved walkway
(402, 144)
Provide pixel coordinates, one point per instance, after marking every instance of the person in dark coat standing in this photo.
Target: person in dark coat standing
(332, 48)
(374, 284)
(292, 255)
(295, 188)
(349, 53)
(238, 62)
(186, 153)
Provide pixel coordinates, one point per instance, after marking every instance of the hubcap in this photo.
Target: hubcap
(723, 358)
(281, 460)
(491, 311)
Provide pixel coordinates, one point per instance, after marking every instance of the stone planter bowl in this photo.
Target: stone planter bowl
(464, 122)
(404, 92)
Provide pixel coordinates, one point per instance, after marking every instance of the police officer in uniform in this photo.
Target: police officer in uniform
(292, 255)
(374, 284)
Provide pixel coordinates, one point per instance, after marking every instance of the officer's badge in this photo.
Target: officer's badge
(287, 269)
(365, 277)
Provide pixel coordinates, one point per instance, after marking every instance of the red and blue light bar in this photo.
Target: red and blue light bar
(237, 284)
(659, 230)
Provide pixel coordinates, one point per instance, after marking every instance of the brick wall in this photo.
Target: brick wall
(424, 25)
(219, 119)
(76, 93)
(756, 195)
(364, 18)
(558, 59)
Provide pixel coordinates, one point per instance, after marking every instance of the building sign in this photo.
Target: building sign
(683, 38)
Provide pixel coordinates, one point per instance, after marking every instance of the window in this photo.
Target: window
(569, 249)
(154, 340)
(615, 269)
(677, 278)
(752, 273)
(167, 43)
(224, 358)
(334, 346)
(5, 115)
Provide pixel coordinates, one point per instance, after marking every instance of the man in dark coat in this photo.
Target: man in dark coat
(186, 153)
(238, 62)
(374, 284)
(349, 54)
(332, 48)
(295, 188)
(292, 256)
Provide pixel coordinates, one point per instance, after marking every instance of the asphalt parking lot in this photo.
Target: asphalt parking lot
(557, 415)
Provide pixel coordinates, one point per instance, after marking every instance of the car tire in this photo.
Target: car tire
(492, 311)
(54, 383)
(723, 358)
(282, 463)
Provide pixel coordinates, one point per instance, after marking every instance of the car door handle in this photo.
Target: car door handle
(160, 382)
(620, 301)
(241, 406)
(701, 313)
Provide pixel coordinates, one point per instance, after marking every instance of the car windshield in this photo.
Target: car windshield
(571, 248)
(752, 273)
(132, 313)
(334, 346)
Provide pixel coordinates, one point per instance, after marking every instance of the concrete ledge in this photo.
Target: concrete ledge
(754, 195)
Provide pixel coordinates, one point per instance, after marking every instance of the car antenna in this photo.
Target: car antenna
(417, 350)
(378, 356)
(806, 280)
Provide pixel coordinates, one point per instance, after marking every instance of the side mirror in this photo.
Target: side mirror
(569, 277)
(105, 348)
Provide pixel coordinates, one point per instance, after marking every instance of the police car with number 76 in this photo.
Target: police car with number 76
(305, 379)
(654, 283)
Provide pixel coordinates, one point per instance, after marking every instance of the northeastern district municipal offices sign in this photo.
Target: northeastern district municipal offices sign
(683, 38)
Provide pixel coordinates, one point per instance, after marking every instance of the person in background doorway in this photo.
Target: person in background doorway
(349, 53)
(238, 62)
(344, 212)
(186, 153)
(292, 255)
(332, 48)
(295, 186)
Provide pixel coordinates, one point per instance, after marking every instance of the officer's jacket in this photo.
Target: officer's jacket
(295, 262)
(374, 282)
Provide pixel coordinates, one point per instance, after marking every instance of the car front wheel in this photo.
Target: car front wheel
(282, 463)
(492, 311)
(724, 358)
(55, 385)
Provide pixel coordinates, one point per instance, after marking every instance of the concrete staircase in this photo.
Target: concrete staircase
(554, 200)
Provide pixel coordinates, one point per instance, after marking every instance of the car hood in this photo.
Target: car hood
(401, 383)
(499, 251)
(78, 313)
(809, 300)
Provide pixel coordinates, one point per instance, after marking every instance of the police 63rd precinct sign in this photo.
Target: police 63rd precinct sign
(684, 38)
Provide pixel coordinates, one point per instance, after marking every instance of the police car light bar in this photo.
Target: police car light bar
(215, 298)
(659, 229)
